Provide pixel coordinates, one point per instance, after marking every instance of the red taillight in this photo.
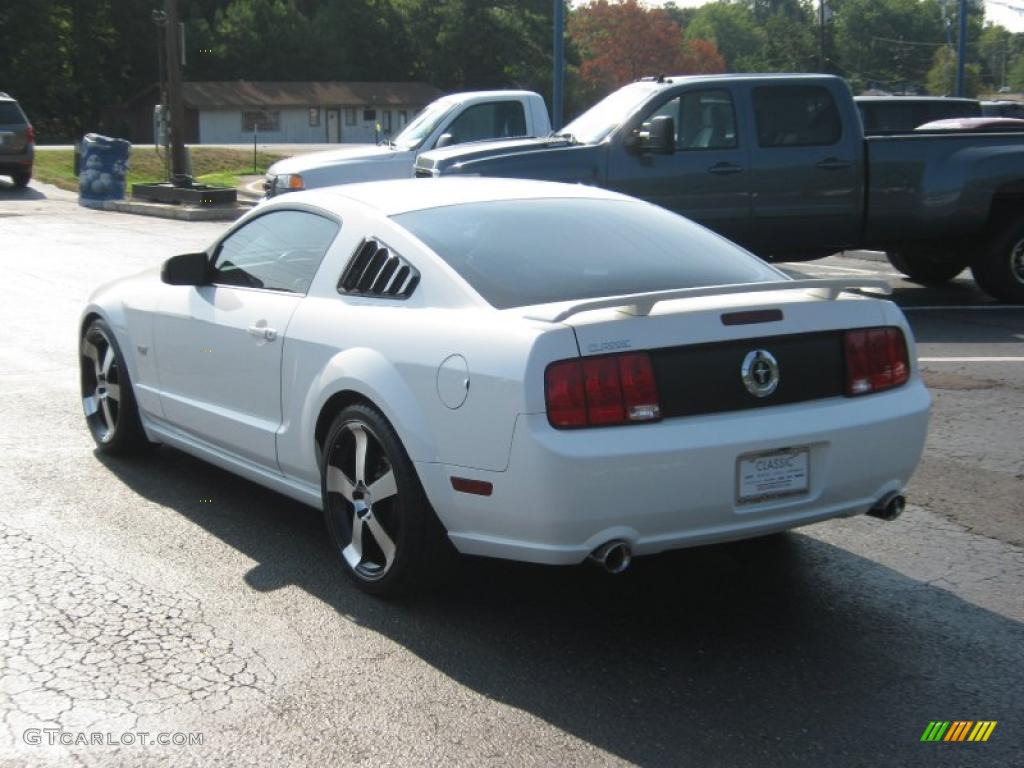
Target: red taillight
(601, 391)
(563, 390)
(876, 360)
(30, 134)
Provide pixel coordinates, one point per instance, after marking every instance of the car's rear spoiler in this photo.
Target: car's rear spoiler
(642, 303)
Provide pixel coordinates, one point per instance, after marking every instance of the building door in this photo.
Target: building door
(333, 126)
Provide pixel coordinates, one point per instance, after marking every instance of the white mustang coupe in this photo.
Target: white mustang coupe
(526, 370)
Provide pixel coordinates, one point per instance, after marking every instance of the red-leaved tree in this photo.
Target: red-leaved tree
(619, 42)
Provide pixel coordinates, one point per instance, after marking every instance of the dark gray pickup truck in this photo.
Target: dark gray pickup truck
(780, 164)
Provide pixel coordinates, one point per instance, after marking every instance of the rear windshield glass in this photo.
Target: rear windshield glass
(9, 113)
(520, 252)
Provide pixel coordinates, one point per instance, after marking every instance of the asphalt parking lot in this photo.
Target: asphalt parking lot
(166, 597)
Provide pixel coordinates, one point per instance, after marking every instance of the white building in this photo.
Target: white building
(229, 112)
(314, 112)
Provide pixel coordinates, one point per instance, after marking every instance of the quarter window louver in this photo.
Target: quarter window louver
(376, 270)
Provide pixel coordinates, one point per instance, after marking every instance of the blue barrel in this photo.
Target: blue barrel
(102, 169)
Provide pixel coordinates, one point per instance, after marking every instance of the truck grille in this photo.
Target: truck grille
(706, 378)
(423, 173)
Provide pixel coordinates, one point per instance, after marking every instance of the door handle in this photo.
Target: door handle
(262, 332)
(833, 164)
(725, 169)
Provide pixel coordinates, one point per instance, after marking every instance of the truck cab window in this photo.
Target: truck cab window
(703, 119)
(796, 116)
(495, 119)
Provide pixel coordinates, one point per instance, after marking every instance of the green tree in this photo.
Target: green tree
(462, 44)
(998, 51)
(1016, 75)
(733, 30)
(760, 35)
(892, 44)
(941, 78)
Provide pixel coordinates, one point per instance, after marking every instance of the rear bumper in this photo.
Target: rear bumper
(10, 164)
(673, 484)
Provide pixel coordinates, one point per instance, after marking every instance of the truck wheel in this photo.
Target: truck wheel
(927, 265)
(21, 180)
(999, 271)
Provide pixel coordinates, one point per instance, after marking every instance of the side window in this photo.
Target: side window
(796, 116)
(703, 119)
(280, 250)
(496, 119)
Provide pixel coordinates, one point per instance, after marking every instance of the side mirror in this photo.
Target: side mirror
(444, 140)
(186, 269)
(658, 135)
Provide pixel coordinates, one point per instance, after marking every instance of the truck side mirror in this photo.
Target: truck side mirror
(658, 135)
(444, 140)
(186, 269)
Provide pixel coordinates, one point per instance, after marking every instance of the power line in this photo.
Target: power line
(1009, 6)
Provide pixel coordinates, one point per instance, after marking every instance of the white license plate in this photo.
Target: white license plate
(770, 475)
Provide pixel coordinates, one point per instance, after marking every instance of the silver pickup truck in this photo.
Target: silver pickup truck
(454, 119)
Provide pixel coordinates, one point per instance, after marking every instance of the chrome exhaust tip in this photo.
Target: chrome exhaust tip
(889, 507)
(614, 556)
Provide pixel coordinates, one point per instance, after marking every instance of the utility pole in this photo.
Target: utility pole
(559, 65)
(961, 49)
(821, 43)
(179, 163)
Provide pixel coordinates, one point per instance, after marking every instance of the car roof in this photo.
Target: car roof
(404, 195)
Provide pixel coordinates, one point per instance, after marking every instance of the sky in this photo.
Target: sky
(996, 11)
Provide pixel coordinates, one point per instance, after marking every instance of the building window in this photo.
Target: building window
(350, 116)
(369, 115)
(314, 117)
(264, 121)
(403, 118)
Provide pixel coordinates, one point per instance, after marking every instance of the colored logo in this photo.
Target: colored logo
(958, 730)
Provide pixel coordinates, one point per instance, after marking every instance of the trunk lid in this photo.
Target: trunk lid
(698, 346)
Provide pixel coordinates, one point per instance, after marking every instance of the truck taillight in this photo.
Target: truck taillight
(30, 134)
(601, 391)
(876, 360)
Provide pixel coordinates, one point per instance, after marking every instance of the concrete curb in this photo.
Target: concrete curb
(164, 211)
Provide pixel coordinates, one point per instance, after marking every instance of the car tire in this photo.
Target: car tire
(999, 271)
(108, 399)
(389, 545)
(21, 180)
(928, 266)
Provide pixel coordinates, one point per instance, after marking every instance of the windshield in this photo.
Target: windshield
(423, 124)
(517, 253)
(607, 115)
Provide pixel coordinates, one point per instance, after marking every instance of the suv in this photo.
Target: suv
(17, 142)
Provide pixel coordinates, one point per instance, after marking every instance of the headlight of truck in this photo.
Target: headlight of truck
(290, 182)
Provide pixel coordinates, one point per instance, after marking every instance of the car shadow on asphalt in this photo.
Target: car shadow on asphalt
(10, 192)
(779, 651)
